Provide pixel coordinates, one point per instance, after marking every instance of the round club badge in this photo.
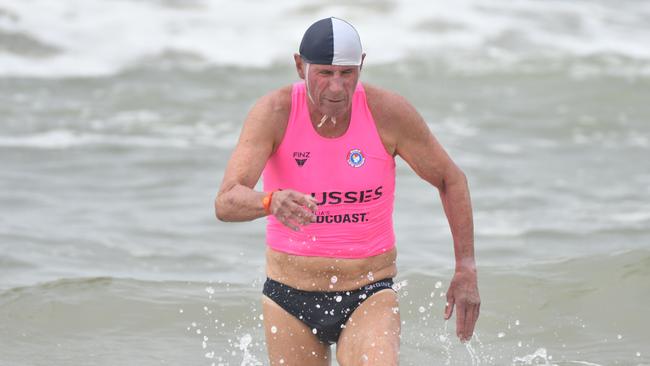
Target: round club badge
(355, 158)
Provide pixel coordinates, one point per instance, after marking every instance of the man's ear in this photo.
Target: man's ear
(299, 65)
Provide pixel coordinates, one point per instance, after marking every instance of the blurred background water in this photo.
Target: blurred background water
(117, 119)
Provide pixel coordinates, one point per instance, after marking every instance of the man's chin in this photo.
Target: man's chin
(337, 112)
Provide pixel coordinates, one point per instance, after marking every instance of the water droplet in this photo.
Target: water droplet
(501, 335)
(274, 329)
(364, 358)
(244, 341)
(180, 311)
(198, 331)
(314, 331)
(442, 338)
(334, 279)
(638, 354)
(281, 360)
(519, 344)
(370, 276)
(619, 336)
(209, 290)
(438, 284)
(339, 298)
(362, 296)
(261, 316)
(422, 309)
(516, 322)
(317, 306)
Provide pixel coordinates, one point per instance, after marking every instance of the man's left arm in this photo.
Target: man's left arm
(415, 143)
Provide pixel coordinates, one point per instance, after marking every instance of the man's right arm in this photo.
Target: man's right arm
(262, 131)
(236, 199)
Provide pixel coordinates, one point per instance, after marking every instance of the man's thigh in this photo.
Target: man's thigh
(371, 335)
(289, 341)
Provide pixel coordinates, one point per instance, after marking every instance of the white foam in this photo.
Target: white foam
(64, 139)
(85, 37)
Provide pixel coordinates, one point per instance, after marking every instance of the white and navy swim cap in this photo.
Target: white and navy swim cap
(331, 41)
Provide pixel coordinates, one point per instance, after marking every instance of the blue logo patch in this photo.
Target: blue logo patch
(356, 158)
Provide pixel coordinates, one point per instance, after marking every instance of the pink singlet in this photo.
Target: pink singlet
(352, 178)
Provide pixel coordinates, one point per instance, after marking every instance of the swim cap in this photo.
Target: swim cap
(331, 41)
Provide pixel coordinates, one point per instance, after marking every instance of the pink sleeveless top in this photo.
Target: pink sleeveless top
(352, 178)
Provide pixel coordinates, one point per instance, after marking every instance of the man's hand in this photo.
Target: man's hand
(293, 209)
(463, 293)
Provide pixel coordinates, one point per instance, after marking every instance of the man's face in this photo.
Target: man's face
(332, 87)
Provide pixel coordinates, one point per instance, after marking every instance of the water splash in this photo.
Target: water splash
(476, 360)
(534, 359)
(397, 286)
(248, 359)
(445, 340)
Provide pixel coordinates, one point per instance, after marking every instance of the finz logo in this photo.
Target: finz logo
(355, 158)
(301, 157)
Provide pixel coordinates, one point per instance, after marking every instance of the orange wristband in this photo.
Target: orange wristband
(266, 202)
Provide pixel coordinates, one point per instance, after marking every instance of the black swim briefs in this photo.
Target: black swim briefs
(325, 313)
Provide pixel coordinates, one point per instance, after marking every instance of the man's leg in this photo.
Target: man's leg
(371, 334)
(289, 341)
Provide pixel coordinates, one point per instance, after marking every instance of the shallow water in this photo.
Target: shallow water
(113, 146)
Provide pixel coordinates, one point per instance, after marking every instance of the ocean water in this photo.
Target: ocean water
(117, 119)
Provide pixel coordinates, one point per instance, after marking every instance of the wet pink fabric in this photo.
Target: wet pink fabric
(352, 177)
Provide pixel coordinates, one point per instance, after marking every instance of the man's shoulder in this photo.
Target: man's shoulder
(385, 103)
(387, 107)
(268, 117)
(276, 102)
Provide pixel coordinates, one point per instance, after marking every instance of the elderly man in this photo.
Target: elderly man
(326, 148)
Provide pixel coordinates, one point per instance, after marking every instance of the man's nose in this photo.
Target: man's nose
(336, 83)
